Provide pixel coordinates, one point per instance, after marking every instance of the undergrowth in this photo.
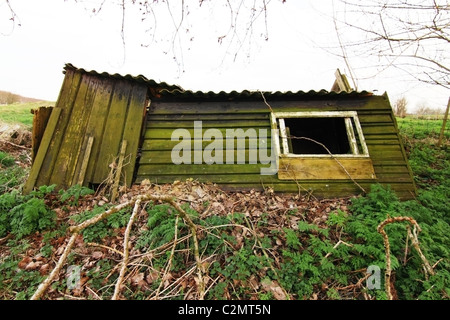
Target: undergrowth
(270, 254)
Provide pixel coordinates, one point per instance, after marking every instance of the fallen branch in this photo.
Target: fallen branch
(126, 250)
(414, 241)
(16, 145)
(75, 230)
(45, 284)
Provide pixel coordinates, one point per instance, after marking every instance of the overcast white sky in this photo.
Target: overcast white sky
(296, 56)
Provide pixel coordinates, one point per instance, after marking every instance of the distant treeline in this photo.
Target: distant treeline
(10, 98)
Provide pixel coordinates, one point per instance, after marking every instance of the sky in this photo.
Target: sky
(301, 52)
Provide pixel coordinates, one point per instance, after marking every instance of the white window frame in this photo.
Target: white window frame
(277, 122)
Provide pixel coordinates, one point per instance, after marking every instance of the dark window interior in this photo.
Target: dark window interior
(329, 131)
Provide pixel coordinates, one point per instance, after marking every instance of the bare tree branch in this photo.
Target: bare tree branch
(400, 32)
(14, 18)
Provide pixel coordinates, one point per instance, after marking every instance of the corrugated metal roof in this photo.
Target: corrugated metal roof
(178, 94)
(174, 92)
(139, 78)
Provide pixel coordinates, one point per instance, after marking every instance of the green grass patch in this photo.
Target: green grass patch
(6, 160)
(21, 112)
(421, 128)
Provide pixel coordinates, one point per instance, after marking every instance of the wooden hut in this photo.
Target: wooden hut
(326, 143)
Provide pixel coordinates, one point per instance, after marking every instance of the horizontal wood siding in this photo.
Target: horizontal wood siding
(376, 119)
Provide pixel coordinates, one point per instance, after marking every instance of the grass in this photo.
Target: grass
(20, 112)
(421, 128)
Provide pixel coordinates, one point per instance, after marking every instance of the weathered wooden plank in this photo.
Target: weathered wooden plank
(388, 136)
(165, 157)
(40, 120)
(374, 118)
(224, 132)
(68, 154)
(114, 127)
(413, 183)
(313, 104)
(382, 142)
(254, 179)
(42, 152)
(199, 169)
(97, 122)
(374, 148)
(241, 123)
(390, 169)
(118, 173)
(133, 128)
(168, 145)
(351, 136)
(205, 117)
(216, 178)
(84, 163)
(393, 158)
(65, 102)
(379, 129)
(390, 177)
(328, 169)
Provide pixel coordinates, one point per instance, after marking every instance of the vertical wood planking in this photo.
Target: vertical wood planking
(115, 187)
(42, 152)
(65, 102)
(73, 137)
(133, 128)
(40, 120)
(112, 136)
(86, 156)
(97, 122)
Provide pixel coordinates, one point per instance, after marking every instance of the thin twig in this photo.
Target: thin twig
(265, 101)
(93, 244)
(16, 145)
(337, 245)
(126, 250)
(169, 263)
(356, 285)
(44, 285)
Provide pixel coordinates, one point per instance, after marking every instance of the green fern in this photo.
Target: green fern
(31, 216)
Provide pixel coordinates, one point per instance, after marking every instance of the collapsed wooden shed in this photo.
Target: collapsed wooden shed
(330, 144)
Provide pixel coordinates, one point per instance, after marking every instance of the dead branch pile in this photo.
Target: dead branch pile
(134, 268)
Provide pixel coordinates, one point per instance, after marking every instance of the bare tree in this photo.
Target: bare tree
(400, 107)
(412, 35)
(169, 23)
